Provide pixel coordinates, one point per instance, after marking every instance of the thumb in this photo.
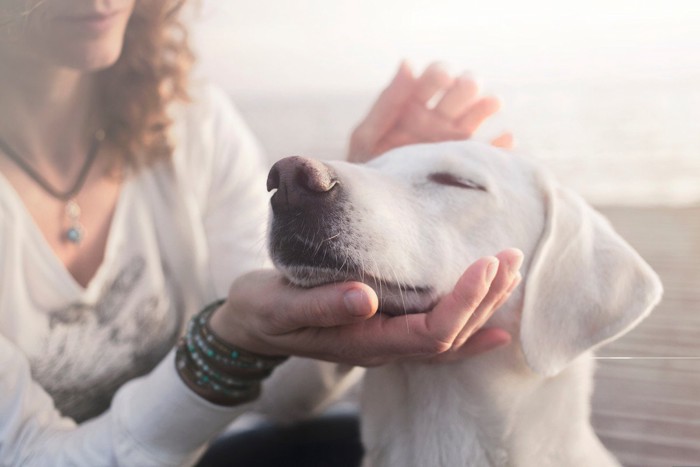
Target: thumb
(327, 306)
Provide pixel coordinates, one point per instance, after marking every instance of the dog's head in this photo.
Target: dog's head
(409, 222)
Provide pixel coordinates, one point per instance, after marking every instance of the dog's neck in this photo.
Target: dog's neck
(490, 410)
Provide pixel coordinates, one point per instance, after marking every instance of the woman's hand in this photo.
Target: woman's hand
(339, 323)
(403, 114)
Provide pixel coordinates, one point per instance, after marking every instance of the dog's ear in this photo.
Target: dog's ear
(585, 287)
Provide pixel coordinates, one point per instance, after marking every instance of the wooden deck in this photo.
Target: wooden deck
(646, 409)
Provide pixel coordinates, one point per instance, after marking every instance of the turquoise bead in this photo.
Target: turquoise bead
(74, 235)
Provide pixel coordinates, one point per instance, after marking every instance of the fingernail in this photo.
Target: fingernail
(491, 269)
(469, 76)
(356, 302)
(404, 69)
(440, 67)
(514, 267)
(516, 281)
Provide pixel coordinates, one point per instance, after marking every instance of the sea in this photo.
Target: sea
(616, 142)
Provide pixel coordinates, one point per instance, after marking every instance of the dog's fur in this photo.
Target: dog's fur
(408, 223)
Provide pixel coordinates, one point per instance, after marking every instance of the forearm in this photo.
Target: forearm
(304, 387)
(154, 420)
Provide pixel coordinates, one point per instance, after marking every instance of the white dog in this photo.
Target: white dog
(408, 223)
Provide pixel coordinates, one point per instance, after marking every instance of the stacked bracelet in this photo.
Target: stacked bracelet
(216, 370)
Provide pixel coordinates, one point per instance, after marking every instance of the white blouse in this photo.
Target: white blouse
(181, 232)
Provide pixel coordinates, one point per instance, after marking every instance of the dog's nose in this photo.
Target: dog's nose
(301, 183)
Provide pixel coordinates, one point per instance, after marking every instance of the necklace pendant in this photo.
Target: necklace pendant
(75, 232)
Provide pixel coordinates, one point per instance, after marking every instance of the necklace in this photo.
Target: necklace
(75, 232)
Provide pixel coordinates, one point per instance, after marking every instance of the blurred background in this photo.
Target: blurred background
(604, 92)
(607, 92)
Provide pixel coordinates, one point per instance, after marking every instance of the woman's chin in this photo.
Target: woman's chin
(89, 59)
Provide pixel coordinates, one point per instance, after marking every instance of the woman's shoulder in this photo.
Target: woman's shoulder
(208, 117)
(212, 141)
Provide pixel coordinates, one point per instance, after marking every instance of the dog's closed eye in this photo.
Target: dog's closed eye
(448, 179)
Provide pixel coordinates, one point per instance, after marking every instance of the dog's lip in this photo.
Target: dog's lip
(297, 250)
(394, 299)
(349, 275)
(307, 264)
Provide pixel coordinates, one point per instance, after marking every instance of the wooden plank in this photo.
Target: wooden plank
(647, 410)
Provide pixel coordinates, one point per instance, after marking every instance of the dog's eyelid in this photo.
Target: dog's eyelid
(446, 178)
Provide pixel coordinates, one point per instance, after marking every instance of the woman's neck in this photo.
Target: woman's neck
(45, 113)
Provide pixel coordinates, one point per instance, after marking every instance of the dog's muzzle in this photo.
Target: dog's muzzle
(313, 240)
(304, 186)
(308, 211)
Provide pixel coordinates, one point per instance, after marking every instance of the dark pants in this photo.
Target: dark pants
(328, 441)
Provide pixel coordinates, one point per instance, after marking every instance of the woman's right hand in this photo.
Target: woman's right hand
(338, 322)
(402, 115)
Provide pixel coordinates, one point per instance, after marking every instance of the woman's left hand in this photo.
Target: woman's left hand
(402, 114)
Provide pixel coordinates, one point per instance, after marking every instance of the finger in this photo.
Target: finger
(477, 114)
(434, 79)
(396, 139)
(457, 99)
(385, 112)
(427, 126)
(453, 311)
(382, 339)
(510, 261)
(324, 306)
(505, 141)
(516, 281)
(420, 334)
(483, 340)
(390, 103)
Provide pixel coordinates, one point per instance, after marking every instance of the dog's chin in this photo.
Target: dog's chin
(394, 299)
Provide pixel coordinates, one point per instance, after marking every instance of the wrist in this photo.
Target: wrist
(215, 369)
(232, 329)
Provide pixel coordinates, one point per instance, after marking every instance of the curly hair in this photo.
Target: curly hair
(151, 72)
(134, 93)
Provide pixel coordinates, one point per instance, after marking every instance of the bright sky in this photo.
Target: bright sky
(302, 46)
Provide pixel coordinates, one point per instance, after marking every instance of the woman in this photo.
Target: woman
(129, 200)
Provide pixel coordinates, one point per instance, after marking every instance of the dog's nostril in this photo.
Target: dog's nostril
(301, 184)
(300, 173)
(314, 180)
(273, 179)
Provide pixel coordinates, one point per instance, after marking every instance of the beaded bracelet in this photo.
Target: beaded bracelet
(216, 370)
(223, 352)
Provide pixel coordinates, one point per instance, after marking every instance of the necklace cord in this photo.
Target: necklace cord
(43, 183)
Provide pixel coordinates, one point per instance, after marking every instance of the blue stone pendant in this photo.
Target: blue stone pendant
(75, 232)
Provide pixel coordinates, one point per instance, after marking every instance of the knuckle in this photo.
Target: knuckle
(345, 352)
(316, 312)
(437, 346)
(350, 354)
(270, 322)
(472, 301)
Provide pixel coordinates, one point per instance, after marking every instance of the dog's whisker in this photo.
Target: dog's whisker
(332, 237)
(401, 296)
